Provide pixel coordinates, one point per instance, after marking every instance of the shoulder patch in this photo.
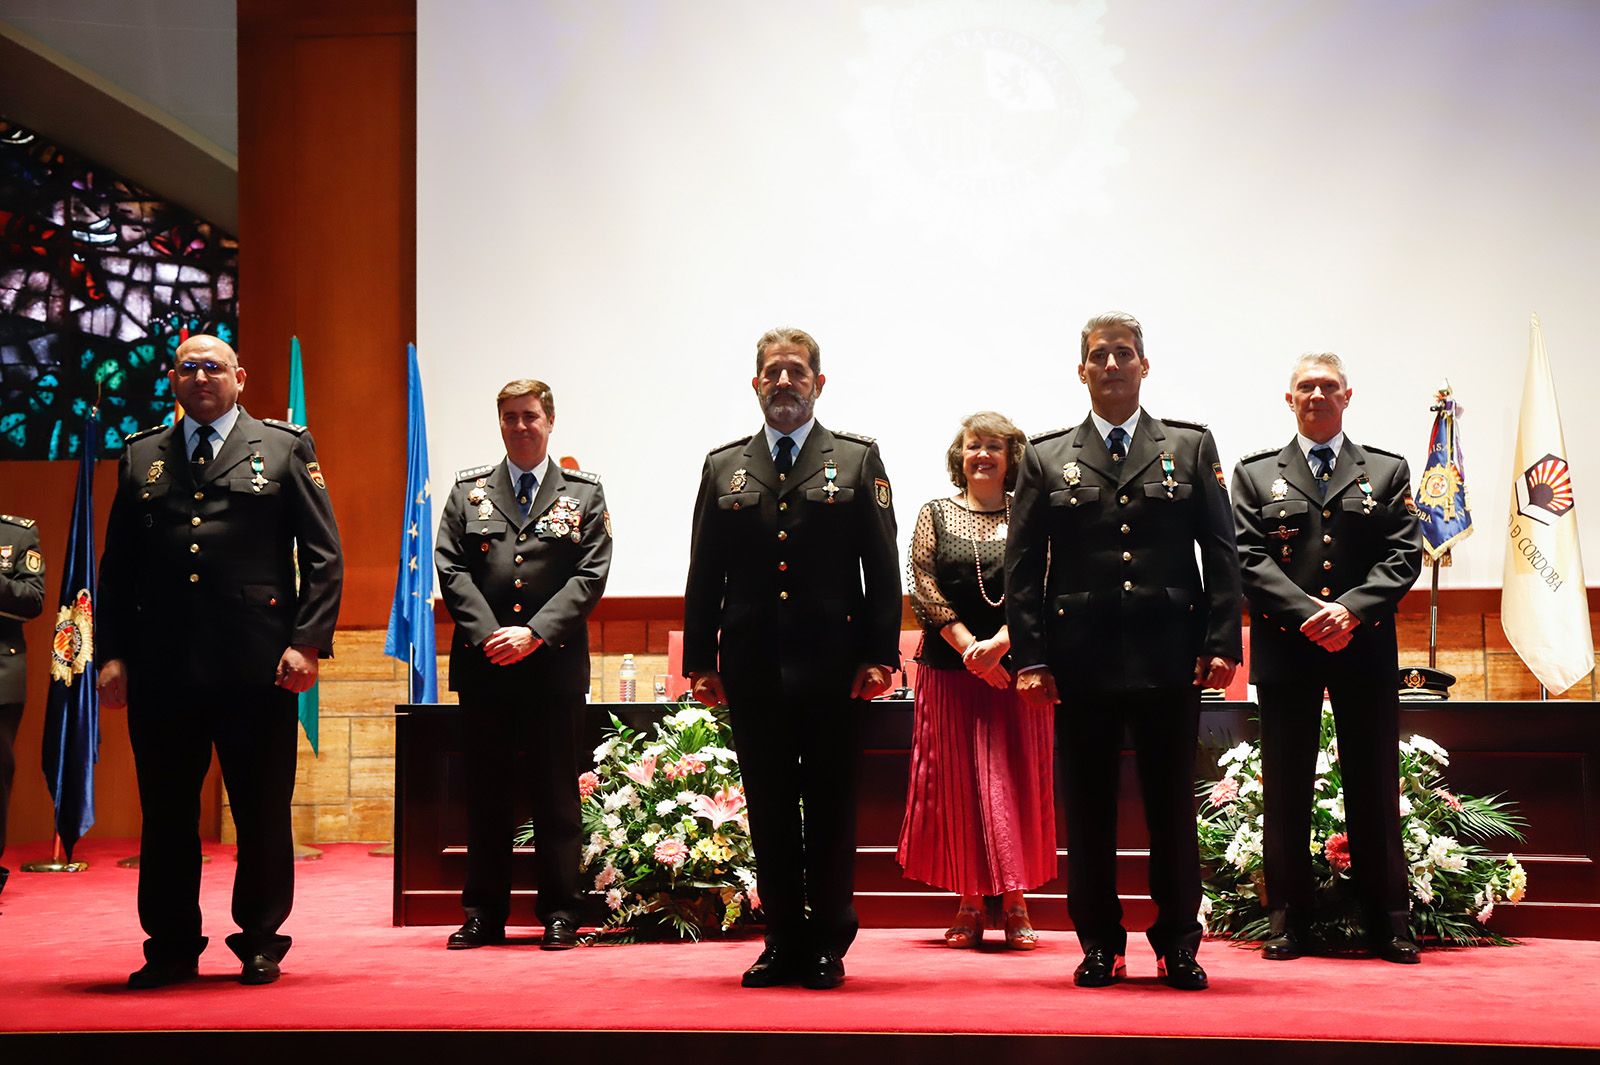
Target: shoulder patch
(741, 442)
(26, 523)
(1050, 433)
(288, 427)
(142, 433)
(1263, 453)
(1183, 424)
(1383, 451)
(582, 475)
(474, 473)
(857, 437)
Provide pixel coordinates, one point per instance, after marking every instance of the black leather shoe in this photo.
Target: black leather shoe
(475, 932)
(259, 969)
(773, 969)
(1099, 968)
(1179, 969)
(1286, 946)
(161, 973)
(823, 972)
(1399, 950)
(559, 934)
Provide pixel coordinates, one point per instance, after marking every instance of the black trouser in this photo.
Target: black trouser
(799, 751)
(1366, 710)
(1164, 724)
(10, 718)
(254, 729)
(494, 728)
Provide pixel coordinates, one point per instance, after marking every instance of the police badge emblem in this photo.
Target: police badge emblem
(880, 491)
(1072, 473)
(1280, 489)
(736, 483)
(157, 468)
(315, 471)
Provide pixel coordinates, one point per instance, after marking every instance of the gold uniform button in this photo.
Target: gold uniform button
(1061, 611)
(737, 505)
(1073, 501)
(194, 549)
(515, 562)
(1122, 499)
(1127, 556)
(1327, 591)
(1283, 513)
(195, 520)
(144, 495)
(521, 537)
(1327, 513)
(1127, 586)
(199, 495)
(783, 506)
(517, 583)
(1327, 538)
(783, 595)
(783, 567)
(273, 601)
(1126, 530)
(783, 534)
(1327, 565)
(516, 608)
(194, 578)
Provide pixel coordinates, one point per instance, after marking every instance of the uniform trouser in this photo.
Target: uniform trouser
(10, 718)
(255, 730)
(1165, 726)
(494, 728)
(798, 756)
(1366, 710)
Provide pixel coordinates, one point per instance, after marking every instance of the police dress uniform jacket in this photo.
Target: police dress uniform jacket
(545, 571)
(1359, 545)
(215, 554)
(199, 599)
(1101, 580)
(21, 599)
(793, 584)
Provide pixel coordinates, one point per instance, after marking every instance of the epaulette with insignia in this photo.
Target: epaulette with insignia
(1263, 453)
(741, 442)
(582, 475)
(1382, 451)
(142, 433)
(1048, 433)
(26, 523)
(476, 472)
(857, 437)
(1182, 424)
(279, 423)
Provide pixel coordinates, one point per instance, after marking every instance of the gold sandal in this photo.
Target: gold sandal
(1019, 932)
(966, 932)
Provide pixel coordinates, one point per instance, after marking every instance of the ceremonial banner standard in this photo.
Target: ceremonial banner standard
(1544, 605)
(72, 709)
(410, 636)
(1442, 495)
(308, 702)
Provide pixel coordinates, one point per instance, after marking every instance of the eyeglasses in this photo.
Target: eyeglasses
(213, 368)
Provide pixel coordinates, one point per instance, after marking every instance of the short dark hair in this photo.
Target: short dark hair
(1110, 320)
(527, 386)
(985, 423)
(786, 335)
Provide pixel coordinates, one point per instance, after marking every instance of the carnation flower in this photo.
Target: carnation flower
(1424, 746)
(1334, 806)
(602, 752)
(587, 782)
(665, 807)
(605, 877)
(623, 796)
(1337, 850)
(1223, 792)
(614, 899)
(672, 853)
(1234, 754)
(612, 821)
(1422, 888)
(1449, 799)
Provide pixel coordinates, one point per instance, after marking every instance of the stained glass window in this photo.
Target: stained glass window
(99, 281)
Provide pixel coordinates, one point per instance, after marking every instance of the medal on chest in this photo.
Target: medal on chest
(830, 471)
(1169, 482)
(1367, 500)
(562, 519)
(257, 467)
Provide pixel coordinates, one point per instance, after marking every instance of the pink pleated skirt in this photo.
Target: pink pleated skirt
(980, 810)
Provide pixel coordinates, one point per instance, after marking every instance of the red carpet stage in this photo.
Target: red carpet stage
(353, 981)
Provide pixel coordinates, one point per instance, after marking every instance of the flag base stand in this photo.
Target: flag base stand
(303, 853)
(385, 851)
(55, 863)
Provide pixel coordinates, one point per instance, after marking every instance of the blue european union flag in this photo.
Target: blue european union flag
(72, 710)
(410, 637)
(1442, 496)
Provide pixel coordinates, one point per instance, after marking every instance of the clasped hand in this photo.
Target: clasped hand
(510, 644)
(982, 659)
(1331, 627)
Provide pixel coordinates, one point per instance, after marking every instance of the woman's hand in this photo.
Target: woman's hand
(981, 656)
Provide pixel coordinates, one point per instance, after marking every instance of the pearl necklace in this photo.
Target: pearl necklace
(977, 561)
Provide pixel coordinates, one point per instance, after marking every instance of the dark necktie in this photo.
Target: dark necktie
(1322, 466)
(525, 487)
(202, 446)
(1118, 444)
(785, 460)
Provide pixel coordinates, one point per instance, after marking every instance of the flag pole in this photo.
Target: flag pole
(55, 864)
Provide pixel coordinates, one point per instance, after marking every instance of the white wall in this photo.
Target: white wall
(619, 197)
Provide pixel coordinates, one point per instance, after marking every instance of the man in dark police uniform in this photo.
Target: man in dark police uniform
(791, 617)
(523, 552)
(21, 599)
(1111, 617)
(205, 639)
(1329, 542)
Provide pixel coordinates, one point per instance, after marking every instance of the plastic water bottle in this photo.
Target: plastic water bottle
(628, 680)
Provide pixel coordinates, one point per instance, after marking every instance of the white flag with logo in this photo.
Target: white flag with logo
(1544, 604)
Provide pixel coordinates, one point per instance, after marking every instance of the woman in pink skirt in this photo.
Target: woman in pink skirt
(980, 812)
